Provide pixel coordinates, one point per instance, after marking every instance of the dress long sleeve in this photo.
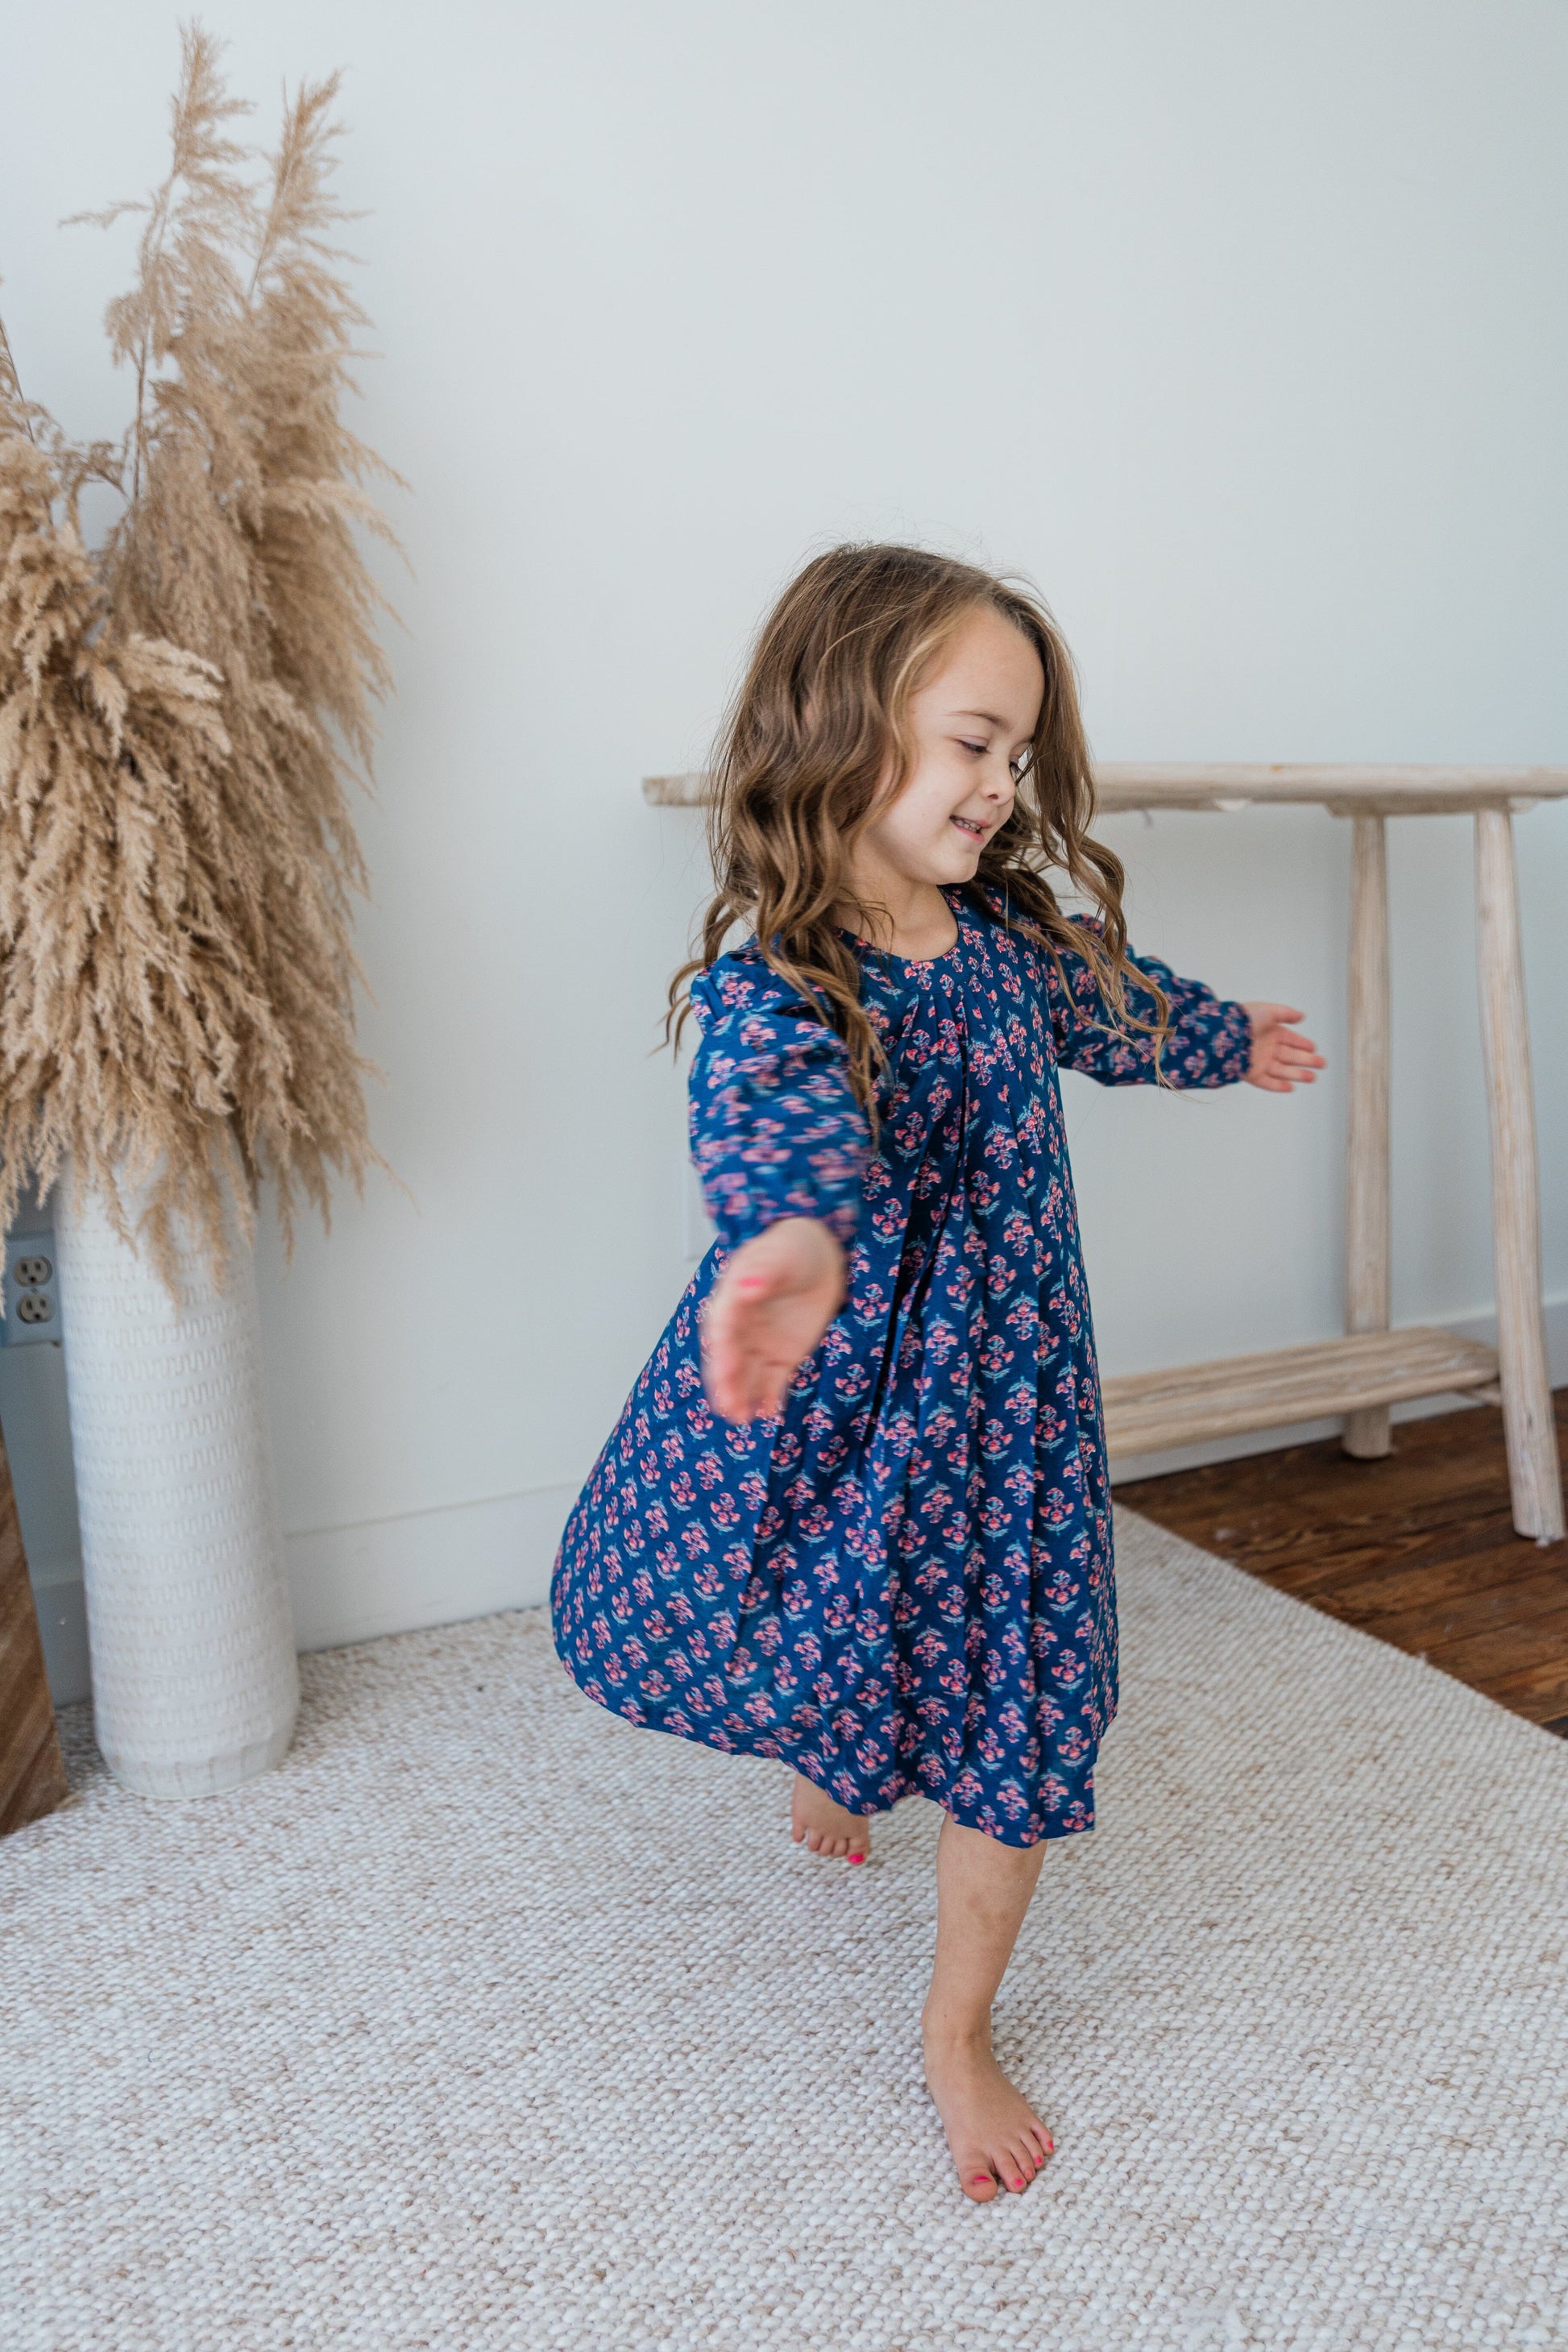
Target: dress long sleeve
(776, 1128)
(1209, 1042)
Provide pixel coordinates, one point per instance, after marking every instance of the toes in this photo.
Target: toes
(841, 1844)
(979, 2186)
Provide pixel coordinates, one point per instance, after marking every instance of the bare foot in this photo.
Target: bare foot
(825, 1827)
(994, 2135)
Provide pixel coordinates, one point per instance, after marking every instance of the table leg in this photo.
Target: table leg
(1534, 1472)
(1365, 1435)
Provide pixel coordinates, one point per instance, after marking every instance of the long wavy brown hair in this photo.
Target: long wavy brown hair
(817, 738)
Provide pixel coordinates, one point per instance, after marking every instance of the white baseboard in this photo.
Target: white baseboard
(62, 1623)
(383, 1576)
(1484, 1327)
(468, 1559)
(427, 1568)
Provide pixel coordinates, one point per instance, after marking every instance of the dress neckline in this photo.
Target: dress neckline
(954, 895)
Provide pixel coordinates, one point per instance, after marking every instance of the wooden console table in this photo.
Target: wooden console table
(1360, 1376)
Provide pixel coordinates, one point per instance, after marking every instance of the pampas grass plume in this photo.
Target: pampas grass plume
(184, 709)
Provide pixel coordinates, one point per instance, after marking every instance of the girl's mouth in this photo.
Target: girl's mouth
(967, 825)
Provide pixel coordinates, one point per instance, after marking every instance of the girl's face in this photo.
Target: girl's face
(971, 724)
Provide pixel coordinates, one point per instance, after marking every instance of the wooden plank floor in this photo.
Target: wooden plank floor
(1417, 1548)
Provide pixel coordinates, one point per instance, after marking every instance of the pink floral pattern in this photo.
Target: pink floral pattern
(903, 1583)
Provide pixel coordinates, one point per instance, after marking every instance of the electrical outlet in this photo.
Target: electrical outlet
(32, 1291)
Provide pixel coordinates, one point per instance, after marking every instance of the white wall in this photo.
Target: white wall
(1239, 326)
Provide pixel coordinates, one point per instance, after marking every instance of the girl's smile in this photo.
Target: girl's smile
(971, 724)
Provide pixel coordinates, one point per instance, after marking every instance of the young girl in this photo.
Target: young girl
(855, 1514)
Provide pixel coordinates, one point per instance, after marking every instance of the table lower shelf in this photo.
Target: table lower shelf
(1146, 1413)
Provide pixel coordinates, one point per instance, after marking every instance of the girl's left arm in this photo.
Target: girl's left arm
(1210, 1041)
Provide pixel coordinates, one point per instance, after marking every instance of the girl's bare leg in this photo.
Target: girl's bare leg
(982, 1890)
(824, 1826)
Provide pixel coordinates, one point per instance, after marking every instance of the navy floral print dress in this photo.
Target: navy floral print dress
(903, 1584)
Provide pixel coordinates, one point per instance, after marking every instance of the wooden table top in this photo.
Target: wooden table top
(1347, 790)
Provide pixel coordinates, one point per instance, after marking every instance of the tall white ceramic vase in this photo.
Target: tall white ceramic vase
(196, 1685)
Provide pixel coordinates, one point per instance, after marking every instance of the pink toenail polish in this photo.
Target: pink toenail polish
(856, 1857)
(976, 2178)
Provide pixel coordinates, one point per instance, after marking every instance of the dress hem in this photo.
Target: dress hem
(1054, 1830)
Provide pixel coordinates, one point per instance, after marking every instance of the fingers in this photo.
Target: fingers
(740, 1388)
(1276, 1078)
(1295, 1058)
(767, 1311)
(744, 1382)
(722, 1369)
(1264, 1016)
(729, 1375)
(1281, 1059)
(729, 1367)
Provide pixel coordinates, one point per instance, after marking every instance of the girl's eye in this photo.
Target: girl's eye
(980, 750)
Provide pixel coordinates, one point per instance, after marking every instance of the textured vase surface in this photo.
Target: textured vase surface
(196, 1685)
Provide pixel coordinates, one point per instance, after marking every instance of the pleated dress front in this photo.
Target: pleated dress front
(902, 1583)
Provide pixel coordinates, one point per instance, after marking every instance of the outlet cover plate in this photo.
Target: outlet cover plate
(32, 1292)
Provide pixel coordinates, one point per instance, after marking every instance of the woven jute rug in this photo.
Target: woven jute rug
(487, 2021)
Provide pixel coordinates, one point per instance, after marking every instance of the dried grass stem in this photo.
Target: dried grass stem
(184, 710)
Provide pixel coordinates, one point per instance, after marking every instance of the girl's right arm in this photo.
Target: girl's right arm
(765, 1314)
(780, 1146)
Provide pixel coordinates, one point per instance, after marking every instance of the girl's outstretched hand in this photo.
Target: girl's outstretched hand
(1281, 1060)
(767, 1312)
